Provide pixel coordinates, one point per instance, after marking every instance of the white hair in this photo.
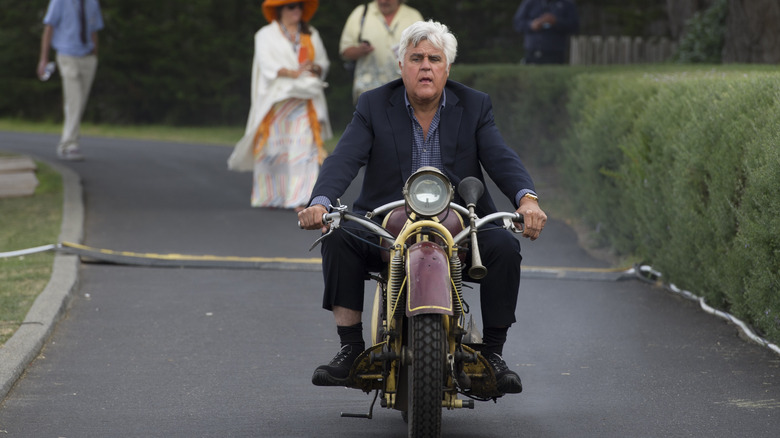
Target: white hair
(436, 33)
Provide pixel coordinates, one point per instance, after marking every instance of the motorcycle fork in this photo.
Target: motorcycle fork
(394, 327)
(396, 355)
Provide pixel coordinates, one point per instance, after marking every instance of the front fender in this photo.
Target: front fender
(428, 281)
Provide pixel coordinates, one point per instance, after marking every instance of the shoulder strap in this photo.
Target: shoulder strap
(362, 20)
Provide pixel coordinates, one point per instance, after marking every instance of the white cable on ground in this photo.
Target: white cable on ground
(747, 331)
(27, 251)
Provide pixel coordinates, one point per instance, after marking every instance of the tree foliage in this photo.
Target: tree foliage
(187, 62)
(704, 36)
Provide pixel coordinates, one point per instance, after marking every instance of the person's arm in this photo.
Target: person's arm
(95, 42)
(321, 63)
(354, 53)
(288, 73)
(544, 21)
(521, 22)
(349, 47)
(43, 58)
(505, 168)
(270, 60)
(568, 20)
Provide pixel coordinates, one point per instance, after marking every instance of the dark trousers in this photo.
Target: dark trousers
(346, 260)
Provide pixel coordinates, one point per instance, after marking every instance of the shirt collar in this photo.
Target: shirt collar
(443, 99)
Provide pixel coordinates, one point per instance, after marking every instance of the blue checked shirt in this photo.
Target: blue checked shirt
(426, 151)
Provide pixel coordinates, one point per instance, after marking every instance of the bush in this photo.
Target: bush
(704, 35)
(682, 170)
(603, 113)
(756, 250)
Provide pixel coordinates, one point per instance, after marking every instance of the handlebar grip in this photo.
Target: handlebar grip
(325, 220)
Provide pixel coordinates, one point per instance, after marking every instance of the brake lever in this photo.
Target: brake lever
(509, 224)
(335, 222)
(320, 239)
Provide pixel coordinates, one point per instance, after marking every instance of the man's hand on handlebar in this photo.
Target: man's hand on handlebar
(533, 217)
(310, 218)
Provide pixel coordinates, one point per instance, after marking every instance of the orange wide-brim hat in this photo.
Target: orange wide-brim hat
(270, 7)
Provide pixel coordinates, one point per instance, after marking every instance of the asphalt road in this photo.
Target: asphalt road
(182, 352)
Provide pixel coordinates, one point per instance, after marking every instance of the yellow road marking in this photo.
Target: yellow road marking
(291, 260)
(188, 257)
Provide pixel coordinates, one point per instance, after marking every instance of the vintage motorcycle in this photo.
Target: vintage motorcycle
(424, 355)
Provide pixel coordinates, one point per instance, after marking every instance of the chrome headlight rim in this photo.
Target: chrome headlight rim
(428, 192)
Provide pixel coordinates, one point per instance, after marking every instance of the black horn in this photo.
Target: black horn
(470, 190)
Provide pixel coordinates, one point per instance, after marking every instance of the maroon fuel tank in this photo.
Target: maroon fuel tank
(428, 281)
(395, 220)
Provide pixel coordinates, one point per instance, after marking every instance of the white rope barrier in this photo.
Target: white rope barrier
(747, 331)
(23, 252)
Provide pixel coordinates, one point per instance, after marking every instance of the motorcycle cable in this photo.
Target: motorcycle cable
(364, 240)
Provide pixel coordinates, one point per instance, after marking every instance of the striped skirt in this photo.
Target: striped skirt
(286, 167)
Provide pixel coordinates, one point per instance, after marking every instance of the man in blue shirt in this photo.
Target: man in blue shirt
(71, 28)
(546, 26)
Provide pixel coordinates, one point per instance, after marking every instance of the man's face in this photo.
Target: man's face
(387, 7)
(424, 72)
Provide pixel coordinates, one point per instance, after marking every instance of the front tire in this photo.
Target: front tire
(426, 375)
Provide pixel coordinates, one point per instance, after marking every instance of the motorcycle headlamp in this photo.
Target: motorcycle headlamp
(428, 192)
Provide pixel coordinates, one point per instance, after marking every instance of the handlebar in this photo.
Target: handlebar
(334, 218)
(508, 218)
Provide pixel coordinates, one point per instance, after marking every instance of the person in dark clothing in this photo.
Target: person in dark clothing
(422, 119)
(546, 26)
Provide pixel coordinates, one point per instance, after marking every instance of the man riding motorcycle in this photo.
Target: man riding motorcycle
(422, 119)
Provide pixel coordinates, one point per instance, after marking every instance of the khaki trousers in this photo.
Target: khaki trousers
(77, 75)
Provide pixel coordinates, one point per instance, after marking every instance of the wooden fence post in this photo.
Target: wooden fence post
(597, 50)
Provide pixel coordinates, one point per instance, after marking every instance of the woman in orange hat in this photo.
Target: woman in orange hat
(288, 119)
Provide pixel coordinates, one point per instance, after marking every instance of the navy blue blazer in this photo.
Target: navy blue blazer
(380, 138)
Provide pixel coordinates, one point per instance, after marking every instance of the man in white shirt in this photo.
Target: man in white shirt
(370, 37)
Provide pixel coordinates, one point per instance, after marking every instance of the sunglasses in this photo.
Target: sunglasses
(293, 6)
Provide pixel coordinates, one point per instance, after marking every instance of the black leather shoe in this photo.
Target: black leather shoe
(336, 373)
(507, 381)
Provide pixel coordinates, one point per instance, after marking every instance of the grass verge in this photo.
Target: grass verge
(222, 135)
(27, 222)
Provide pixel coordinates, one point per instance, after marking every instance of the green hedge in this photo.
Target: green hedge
(677, 166)
(681, 169)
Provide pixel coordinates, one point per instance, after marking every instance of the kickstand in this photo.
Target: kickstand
(370, 413)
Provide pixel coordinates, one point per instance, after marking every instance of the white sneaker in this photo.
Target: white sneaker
(70, 153)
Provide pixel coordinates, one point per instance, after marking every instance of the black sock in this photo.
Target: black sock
(351, 335)
(493, 340)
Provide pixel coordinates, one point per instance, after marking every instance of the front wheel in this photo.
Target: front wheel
(426, 375)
